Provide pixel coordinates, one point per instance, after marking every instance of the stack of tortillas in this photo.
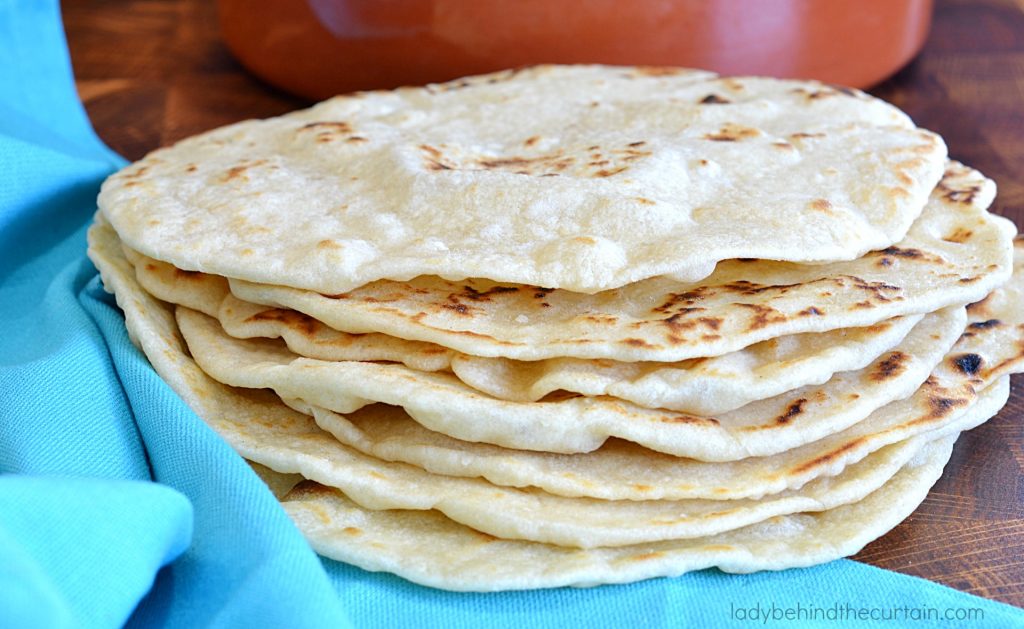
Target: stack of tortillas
(575, 325)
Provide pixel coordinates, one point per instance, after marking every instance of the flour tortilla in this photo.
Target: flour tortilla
(209, 294)
(701, 386)
(620, 470)
(270, 434)
(955, 253)
(441, 402)
(780, 542)
(991, 347)
(430, 549)
(584, 178)
(508, 513)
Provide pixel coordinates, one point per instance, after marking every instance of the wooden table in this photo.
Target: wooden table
(153, 72)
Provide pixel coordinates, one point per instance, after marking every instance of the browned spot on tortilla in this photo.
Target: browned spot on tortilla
(530, 141)
(634, 342)
(352, 530)
(436, 165)
(678, 325)
(904, 178)
(903, 253)
(461, 309)
(744, 287)
(468, 292)
(328, 244)
(688, 419)
(431, 151)
(812, 310)
(791, 411)
(191, 168)
(645, 201)
(636, 144)
(604, 172)
(138, 172)
(555, 161)
(714, 99)
(151, 267)
(377, 475)
(821, 205)
(336, 126)
(942, 406)
(882, 262)
(291, 318)
(434, 159)
(762, 316)
(657, 71)
(732, 133)
(908, 254)
(801, 135)
(824, 459)
(643, 488)
(967, 363)
(863, 304)
(356, 139)
(965, 195)
(984, 325)
(238, 171)
(979, 306)
(892, 366)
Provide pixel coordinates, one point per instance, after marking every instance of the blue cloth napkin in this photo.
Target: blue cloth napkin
(119, 506)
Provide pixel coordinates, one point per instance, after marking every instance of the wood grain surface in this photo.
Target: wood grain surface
(151, 72)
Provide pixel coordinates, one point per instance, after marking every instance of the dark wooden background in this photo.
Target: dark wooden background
(151, 72)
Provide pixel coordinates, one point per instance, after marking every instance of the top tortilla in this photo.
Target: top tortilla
(584, 178)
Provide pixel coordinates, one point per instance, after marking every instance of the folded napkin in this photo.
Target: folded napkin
(119, 506)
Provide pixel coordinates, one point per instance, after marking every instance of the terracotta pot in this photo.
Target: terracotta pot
(318, 48)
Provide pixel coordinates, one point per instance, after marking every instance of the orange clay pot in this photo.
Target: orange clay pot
(318, 48)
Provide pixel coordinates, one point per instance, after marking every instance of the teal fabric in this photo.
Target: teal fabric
(119, 506)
